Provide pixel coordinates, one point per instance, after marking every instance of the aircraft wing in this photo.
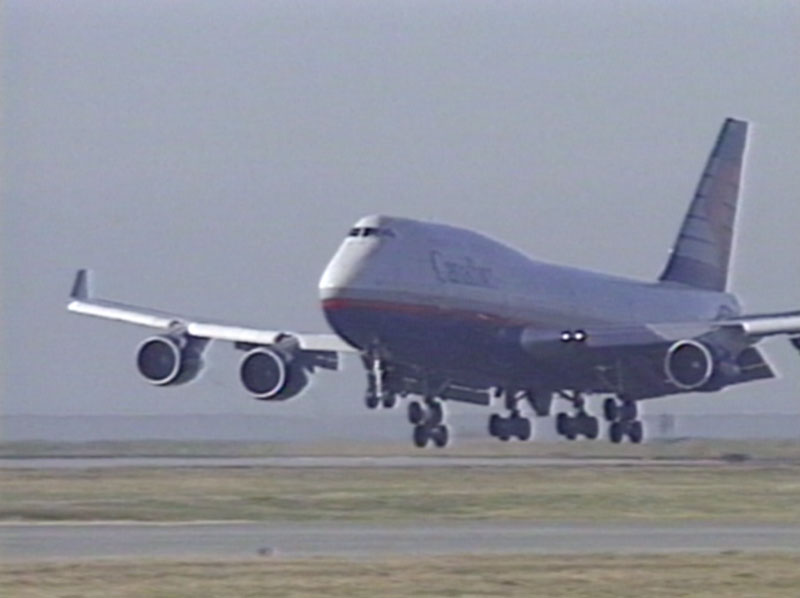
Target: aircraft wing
(82, 301)
(754, 327)
(762, 325)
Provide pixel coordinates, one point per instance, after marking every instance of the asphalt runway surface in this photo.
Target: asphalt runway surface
(49, 541)
(344, 462)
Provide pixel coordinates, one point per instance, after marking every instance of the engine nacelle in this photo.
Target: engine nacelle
(689, 364)
(273, 374)
(170, 360)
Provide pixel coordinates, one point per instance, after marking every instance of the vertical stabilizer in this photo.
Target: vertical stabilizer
(702, 252)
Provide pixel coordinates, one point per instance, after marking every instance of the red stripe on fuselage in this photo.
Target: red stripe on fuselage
(417, 309)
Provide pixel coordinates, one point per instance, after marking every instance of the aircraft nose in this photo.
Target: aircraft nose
(345, 270)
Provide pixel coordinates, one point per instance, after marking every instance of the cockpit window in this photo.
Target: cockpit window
(370, 231)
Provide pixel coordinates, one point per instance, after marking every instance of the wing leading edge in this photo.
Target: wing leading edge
(82, 301)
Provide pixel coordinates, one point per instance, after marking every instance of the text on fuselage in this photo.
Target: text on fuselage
(461, 270)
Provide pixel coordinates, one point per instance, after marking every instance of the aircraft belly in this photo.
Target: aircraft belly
(426, 336)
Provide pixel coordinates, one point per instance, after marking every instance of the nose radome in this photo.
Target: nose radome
(345, 269)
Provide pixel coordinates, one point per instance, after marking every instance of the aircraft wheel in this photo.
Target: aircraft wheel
(571, 427)
(523, 428)
(495, 423)
(389, 400)
(636, 432)
(562, 423)
(371, 400)
(435, 413)
(615, 432)
(628, 412)
(416, 413)
(611, 409)
(421, 436)
(591, 427)
(441, 436)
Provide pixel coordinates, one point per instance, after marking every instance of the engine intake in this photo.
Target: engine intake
(170, 360)
(263, 372)
(689, 364)
(275, 373)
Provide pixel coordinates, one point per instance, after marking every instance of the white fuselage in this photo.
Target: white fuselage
(406, 263)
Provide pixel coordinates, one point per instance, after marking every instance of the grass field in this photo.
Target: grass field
(714, 493)
(727, 574)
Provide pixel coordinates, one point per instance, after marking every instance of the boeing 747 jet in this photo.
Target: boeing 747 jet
(439, 314)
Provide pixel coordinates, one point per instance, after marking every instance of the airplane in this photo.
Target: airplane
(440, 314)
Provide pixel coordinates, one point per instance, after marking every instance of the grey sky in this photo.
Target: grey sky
(208, 157)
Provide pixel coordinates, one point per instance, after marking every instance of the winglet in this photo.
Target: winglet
(82, 287)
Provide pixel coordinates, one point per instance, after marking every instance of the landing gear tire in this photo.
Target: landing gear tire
(421, 436)
(371, 400)
(615, 432)
(495, 425)
(440, 436)
(611, 409)
(389, 400)
(590, 427)
(416, 413)
(636, 432)
(506, 428)
(562, 422)
(523, 428)
(435, 413)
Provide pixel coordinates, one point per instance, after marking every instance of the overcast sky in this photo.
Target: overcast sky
(208, 158)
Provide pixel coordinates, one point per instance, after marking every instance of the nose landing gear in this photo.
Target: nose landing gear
(378, 392)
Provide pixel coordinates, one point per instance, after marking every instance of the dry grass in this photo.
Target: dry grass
(595, 576)
(714, 493)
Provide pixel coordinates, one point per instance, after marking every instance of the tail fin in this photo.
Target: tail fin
(701, 254)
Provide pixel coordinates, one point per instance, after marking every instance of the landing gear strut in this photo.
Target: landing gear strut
(514, 425)
(580, 423)
(623, 419)
(378, 394)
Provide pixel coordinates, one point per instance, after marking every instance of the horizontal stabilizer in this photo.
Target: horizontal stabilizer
(753, 365)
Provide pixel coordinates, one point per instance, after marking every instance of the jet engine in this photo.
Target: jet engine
(170, 360)
(689, 364)
(281, 371)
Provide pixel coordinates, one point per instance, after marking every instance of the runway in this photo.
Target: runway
(341, 462)
(33, 541)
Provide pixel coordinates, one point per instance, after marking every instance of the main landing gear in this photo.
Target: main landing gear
(580, 423)
(427, 417)
(622, 415)
(513, 425)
